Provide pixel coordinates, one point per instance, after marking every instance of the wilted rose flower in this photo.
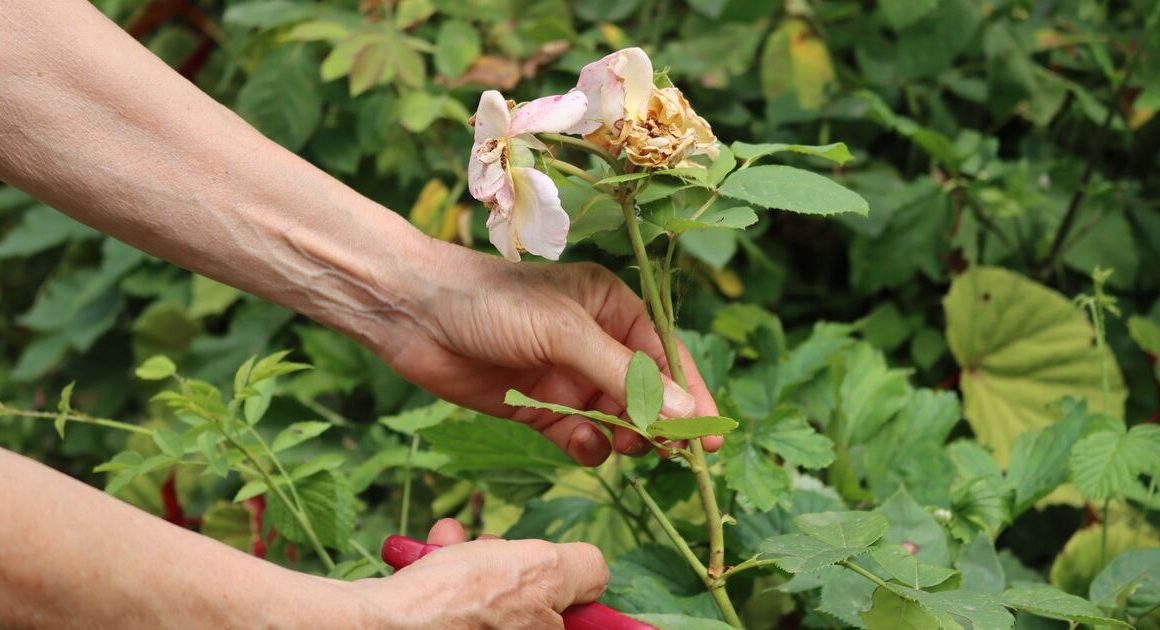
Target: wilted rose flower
(669, 132)
(656, 126)
(525, 206)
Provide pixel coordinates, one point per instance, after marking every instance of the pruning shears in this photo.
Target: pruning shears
(400, 551)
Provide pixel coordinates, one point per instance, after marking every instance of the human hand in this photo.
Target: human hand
(562, 333)
(486, 583)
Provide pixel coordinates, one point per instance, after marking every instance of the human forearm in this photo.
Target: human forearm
(95, 125)
(71, 556)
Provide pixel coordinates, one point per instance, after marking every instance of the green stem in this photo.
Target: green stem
(299, 516)
(666, 329)
(1104, 534)
(667, 525)
(278, 464)
(583, 145)
(408, 471)
(752, 563)
(571, 169)
(864, 573)
(379, 565)
(704, 207)
(74, 416)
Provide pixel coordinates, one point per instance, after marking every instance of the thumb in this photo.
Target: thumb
(604, 362)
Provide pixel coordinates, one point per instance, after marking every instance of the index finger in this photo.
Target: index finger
(583, 572)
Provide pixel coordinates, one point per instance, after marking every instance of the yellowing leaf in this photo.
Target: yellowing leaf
(796, 60)
(429, 208)
(1022, 347)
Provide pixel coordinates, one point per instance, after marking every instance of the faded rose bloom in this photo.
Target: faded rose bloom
(669, 132)
(525, 206)
(656, 126)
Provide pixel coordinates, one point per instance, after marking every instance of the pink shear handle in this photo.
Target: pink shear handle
(400, 551)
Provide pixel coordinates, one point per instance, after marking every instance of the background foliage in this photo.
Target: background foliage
(1006, 148)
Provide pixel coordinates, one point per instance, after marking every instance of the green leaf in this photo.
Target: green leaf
(273, 366)
(914, 527)
(486, 443)
(327, 502)
(40, 229)
(902, 565)
(871, 393)
(788, 433)
(845, 595)
(980, 566)
(210, 297)
(251, 489)
(1021, 346)
(63, 406)
(1105, 463)
(793, 189)
(156, 368)
(456, 46)
(1039, 458)
(796, 553)
(414, 420)
(371, 66)
(733, 218)
(169, 442)
(230, 524)
(517, 399)
(266, 14)
(836, 152)
(1047, 601)
(298, 433)
(417, 110)
(753, 473)
(254, 407)
(843, 529)
(282, 98)
(620, 179)
(644, 389)
(1088, 552)
(902, 13)
(712, 247)
(1130, 582)
(890, 611)
(689, 428)
(329, 461)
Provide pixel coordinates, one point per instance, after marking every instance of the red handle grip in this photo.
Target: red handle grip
(400, 551)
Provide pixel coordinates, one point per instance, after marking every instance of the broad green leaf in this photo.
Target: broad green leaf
(845, 595)
(1021, 347)
(908, 450)
(250, 490)
(871, 393)
(796, 63)
(1039, 458)
(796, 553)
(788, 433)
(417, 110)
(1146, 333)
(689, 428)
(329, 504)
(517, 399)
(715, 248)
(655, 578)
(413, 420)
(733, 218)
(836, 152)
(210, 297)
(1086, 554)
(316, 31)
(298, 433)
(340, 61)
(42, 228)
(1105, 463)
(980, 567)
(902, 13)
(156, 368)
(793, 189)
(902, 565)
(914, 527)
(1130, 582)
(889, 611)
(620, 179)
(456, 46)
(329, 461)
(961, 608)
(753, 472)
(843, 529)
(644, 389)
(486, 443)
(282, 98)
(1047, 601)
(371, 66)
(267, 14)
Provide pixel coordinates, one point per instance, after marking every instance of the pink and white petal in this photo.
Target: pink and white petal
(549, 114)
(492, 118)
(484, 180)
(591, 83)
(499, 230)
(541, 225)
(635, 70)
(505, 195)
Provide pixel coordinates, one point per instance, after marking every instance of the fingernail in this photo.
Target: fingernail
(678, 402)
